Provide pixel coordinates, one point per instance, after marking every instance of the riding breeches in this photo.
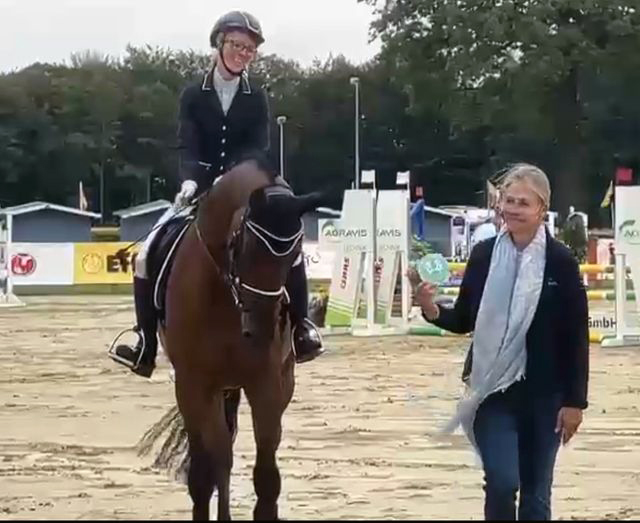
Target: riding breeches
(141, 269)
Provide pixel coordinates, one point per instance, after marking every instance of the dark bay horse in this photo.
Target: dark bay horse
(227, 329)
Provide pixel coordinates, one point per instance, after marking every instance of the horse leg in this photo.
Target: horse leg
(201, 477)
(268, 404)
(209, 450)
(222, 451)
(231, 404)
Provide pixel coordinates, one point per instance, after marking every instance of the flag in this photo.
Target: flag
(82, 199)
(624, 175)
(402, 178)
(606, 201)
(369, 176)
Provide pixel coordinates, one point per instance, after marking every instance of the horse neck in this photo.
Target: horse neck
(226, 199)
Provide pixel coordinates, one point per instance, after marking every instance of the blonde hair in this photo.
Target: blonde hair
(534, 176)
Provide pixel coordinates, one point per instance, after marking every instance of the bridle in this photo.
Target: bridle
(266, 238)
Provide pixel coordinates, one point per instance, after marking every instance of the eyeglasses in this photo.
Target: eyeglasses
(240, 47)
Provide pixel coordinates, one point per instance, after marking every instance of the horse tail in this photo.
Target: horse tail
(173, 456)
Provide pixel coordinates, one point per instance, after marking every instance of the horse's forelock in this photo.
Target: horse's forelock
(276, 209)
(227, 199)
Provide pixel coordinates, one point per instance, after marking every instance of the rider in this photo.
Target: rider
(220, 118)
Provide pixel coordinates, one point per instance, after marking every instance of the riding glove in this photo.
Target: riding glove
(187, 190)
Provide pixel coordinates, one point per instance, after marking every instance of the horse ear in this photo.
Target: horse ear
(309, 202)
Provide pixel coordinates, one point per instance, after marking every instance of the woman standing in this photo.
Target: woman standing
(527, 369)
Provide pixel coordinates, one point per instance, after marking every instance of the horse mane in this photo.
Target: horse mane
(262, 159)
(252, 171)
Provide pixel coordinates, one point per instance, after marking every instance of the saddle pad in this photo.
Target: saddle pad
(162, 256)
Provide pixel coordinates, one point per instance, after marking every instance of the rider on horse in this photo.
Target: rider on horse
(220, 118)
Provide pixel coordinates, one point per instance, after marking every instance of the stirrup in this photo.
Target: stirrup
(114, 344)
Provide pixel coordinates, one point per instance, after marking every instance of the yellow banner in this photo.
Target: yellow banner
(99, 262)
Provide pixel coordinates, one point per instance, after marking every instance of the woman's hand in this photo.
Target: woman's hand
(424, 293)
(569, 419)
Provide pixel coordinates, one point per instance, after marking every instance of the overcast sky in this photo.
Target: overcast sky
(50, 30)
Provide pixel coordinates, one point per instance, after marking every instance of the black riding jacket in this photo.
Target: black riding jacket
(210, 141)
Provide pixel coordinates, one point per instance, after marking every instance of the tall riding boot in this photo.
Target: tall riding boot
(141, 358)
(307, 342)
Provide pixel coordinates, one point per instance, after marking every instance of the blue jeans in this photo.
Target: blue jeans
(515, 433)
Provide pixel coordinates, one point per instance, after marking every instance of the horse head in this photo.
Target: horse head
(262, 251)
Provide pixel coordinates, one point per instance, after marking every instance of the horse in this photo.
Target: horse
(226, 328)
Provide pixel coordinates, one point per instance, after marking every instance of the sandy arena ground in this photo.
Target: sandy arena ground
(359, 438)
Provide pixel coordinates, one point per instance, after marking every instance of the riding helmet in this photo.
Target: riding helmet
(236, 21)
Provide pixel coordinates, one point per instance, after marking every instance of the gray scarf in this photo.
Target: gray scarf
(509, 303)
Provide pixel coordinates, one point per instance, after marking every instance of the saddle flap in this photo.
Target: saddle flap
(161, 255)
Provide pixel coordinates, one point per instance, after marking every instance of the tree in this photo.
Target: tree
(516, 66)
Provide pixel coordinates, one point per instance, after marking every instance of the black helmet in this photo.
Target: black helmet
(236, 20)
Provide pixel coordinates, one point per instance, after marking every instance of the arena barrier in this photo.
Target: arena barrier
(7, 297)
(431, 330)
(592, 295)
(587, 268)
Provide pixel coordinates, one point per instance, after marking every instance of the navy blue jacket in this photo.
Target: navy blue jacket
(558, 338)
(209, 141)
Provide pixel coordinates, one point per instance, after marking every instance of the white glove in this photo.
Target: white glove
(187, 190)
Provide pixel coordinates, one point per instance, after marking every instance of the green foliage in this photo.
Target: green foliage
(460, 90)
(419, 248)
(531, 73)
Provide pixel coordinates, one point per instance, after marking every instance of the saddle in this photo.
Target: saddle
(161, 255)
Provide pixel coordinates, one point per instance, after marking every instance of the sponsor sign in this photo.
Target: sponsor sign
(628, 229)
(42, 263)
(318, 262)
(353, 239)
(100, 262)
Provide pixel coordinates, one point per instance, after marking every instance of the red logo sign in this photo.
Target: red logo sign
(23, 264)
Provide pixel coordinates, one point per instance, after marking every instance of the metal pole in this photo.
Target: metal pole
(5, 257)
(358, 135)
(355, 81)
(102, 191)
(9, 233)
(281, 121)
(102, 160)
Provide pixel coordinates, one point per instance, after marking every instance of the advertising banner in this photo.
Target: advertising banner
(393, 209)
(318, 262)
(98, 262)
(42, 263)
(627, 213)
(355, 233)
